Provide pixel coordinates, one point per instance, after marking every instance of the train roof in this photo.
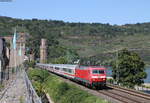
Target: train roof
(91, 67)
(71, 66)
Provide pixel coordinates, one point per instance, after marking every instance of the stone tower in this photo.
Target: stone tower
(43, 52)
(20, 44)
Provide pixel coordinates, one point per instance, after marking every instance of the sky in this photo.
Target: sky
(101, 11)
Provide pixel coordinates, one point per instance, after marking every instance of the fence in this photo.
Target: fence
(32, 95)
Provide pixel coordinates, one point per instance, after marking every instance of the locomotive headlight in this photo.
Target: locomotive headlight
(94, 79)
(104, 79)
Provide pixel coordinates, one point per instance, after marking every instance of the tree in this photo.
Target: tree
(60, 60)
(39, 77)
(128, 69)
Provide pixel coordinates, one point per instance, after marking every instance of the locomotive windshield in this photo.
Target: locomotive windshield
(98, 71)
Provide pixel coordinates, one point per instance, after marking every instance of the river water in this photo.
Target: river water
(147, 80)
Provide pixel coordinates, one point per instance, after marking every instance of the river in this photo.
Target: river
(147, 80)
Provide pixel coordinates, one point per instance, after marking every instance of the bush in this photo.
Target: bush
(30, 64)
(1, 86)
(110, 81)
(60, 60)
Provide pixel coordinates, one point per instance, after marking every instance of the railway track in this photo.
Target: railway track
(120, 98)
(130, 91)
(125, 95)
(115, 94)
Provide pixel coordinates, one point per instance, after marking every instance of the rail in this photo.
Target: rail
(130, 91)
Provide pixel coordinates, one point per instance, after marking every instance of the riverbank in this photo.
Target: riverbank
(60, 91)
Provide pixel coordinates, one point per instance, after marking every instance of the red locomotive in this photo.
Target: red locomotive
(90, 76)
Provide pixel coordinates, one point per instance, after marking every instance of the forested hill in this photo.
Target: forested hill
(86, 40)
(64, 28)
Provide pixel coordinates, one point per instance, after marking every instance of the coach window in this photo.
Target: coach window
(64, 69)
(56, 68)
(69, 70)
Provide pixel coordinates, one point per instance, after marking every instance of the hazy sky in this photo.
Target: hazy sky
(102, 11)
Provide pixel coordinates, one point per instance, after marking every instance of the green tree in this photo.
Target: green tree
(128, 69)
(60, 60)
(40, 77)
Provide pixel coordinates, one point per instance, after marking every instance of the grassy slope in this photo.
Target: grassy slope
(62, 92)
(90, 46)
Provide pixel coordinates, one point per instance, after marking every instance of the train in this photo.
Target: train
(90, 76)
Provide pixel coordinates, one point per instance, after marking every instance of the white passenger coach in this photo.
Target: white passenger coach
(67, 70)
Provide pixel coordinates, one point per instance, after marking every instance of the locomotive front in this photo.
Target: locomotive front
(98, 77)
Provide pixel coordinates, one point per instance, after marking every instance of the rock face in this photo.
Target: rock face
(43, 52)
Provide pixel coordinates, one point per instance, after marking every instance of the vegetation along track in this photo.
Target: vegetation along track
(115, 94)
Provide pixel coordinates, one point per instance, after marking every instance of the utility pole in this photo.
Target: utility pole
(117, 65)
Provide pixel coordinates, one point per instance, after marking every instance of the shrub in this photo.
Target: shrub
(110, 81)
(30, 64)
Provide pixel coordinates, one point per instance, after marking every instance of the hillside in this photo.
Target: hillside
(105, 49)
(87, 39)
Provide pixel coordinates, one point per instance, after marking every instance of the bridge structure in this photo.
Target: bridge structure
(17, 88)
